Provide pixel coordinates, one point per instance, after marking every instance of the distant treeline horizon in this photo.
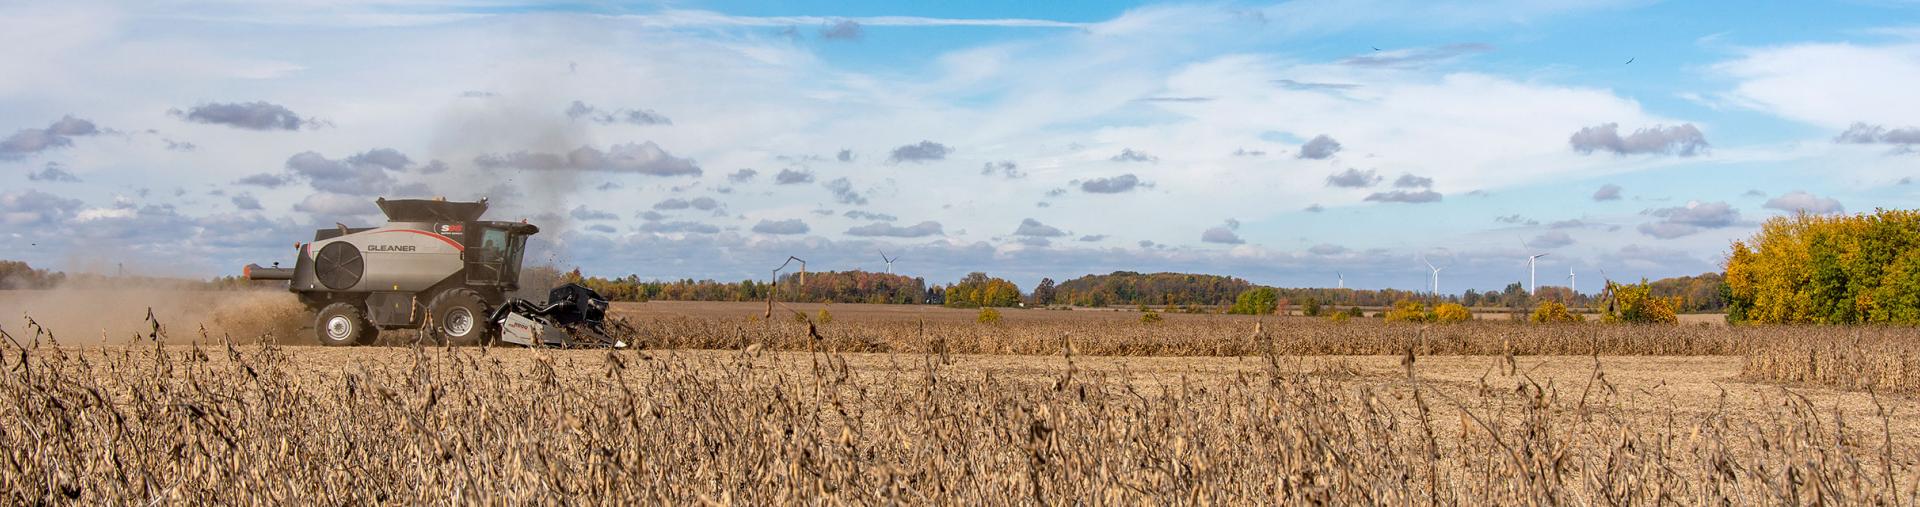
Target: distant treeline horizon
(1698, 293)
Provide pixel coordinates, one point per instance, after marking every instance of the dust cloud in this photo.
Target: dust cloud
(113, 316)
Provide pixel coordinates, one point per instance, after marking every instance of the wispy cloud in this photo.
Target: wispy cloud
(677, 18)
(1417, 56)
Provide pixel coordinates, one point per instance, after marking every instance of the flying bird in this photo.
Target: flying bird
(1629, 61)
(1375, 48)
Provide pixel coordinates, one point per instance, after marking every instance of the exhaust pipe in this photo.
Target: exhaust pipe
(255, 272)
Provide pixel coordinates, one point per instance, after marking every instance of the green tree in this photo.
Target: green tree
(1258, 301)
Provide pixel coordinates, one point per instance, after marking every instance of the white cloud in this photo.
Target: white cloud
(1797, 201)
(745, 97)
(698, 18)
(1830, 85)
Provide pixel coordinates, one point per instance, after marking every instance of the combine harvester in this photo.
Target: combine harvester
(435, 265)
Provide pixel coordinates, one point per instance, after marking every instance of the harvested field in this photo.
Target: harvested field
(1070, 409)
(913, 329)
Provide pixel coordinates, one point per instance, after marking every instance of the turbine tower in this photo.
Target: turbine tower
(1343, 279)
(1531, 261)
(1434, 288)
(1572, 283)
(883, 257)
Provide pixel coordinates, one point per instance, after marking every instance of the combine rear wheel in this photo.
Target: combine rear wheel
(460, 317)
(343, 324)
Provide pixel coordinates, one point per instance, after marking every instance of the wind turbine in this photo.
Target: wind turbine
(1572, 283)
(883, 256)
(1435, 288)
(1531, 261)
(1343, 279)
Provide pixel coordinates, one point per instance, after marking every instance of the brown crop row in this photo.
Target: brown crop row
(253, 425)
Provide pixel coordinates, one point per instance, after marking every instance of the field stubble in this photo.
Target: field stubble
(218, 422)
(901, 408)
(1882, 359)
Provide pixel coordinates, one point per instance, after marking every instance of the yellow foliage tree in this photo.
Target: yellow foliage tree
(1828, 269)
(1408, 311)
(1552, 312)
(1636, 304)
(980, 290)
(1447, 313)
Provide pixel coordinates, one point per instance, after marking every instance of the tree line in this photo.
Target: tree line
(1833, 269)
(19, 275)
(1705, 292)
(1701, 293)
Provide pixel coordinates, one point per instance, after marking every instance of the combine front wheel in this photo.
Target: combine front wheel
(343, 324)
(460, 317)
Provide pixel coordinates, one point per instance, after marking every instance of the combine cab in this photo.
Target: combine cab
(436, 265)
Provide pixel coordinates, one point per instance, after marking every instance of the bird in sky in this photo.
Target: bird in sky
(1375, 48)
(1629, 61)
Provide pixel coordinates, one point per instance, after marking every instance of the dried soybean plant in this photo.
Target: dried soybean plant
(262, 423)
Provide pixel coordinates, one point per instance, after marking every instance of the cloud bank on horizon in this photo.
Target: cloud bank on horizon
(1270, 142)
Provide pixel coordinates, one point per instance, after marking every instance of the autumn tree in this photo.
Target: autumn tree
(1407, 310)
(1447, 313)
(1043, 293)
(980, 290)
(1828, 269)
(1552, 312)
(1636, 304)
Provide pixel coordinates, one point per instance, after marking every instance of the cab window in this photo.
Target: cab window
(493, 246)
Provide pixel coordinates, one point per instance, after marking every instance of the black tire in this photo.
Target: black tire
(460, 317)
(342, 325)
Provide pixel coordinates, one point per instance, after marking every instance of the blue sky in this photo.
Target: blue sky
(1025, 139)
